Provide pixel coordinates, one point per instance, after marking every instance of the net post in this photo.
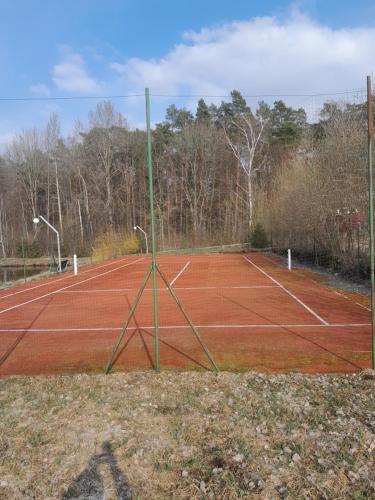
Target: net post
(75, 265)
(153, 242)
(371, 212)
(289, 259)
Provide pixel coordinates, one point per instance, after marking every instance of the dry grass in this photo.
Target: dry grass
(187, 435)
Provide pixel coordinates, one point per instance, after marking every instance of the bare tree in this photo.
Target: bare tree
(244, 134)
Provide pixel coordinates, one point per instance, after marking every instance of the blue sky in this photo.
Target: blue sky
(90, 47)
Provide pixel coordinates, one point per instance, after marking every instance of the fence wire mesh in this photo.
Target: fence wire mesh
(238, 181)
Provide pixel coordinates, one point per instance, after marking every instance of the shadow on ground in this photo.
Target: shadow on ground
(101, 479)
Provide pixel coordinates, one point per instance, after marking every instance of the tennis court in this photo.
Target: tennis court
(252, 313)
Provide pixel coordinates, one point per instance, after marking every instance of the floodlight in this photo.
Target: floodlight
(36, 220)
(144, 232)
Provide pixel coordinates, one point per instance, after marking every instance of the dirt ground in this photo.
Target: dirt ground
(187, 435)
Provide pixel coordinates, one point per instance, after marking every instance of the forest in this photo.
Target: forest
(219, 174)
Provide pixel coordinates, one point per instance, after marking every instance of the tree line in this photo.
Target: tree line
(217, 173)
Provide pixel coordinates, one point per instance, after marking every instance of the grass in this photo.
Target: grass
(187, 435)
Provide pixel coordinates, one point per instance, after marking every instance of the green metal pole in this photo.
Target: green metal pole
(371, 212)
(153, 244)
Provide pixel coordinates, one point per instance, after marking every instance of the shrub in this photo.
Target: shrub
(106, 246)
(111, 244)
(258, 237)
(131, 244)
(83, 251)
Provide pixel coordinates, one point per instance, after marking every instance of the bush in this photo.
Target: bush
(131, 244)
(83, 251)
(110, 245)
(106, 246)
(258, 237)
(30, 250)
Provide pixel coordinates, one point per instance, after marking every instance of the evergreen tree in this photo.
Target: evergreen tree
(203, 114)
(239, 105)
(162, 135)
(178, 118)
(258, 237)
(287, 124)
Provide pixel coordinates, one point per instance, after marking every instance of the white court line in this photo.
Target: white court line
(331, 288)
(166, 327)
(179, 274)
(288, 292)
(101, 290)
(226, 287)
(59, 279)
(69, 286)
(352, 301)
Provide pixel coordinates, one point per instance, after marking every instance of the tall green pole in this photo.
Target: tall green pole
(153, 246)
(371, 212)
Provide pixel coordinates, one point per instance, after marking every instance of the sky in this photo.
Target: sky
(92, 48)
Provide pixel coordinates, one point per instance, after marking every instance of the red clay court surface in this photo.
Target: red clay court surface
(252, 313)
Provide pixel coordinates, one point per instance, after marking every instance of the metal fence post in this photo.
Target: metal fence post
(153, 242)
(371, 211)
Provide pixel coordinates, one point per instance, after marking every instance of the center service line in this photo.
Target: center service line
(179, 274)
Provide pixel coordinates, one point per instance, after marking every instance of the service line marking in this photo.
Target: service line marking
(103, 290)
(166, 327)
(59, 279)
(69, 286)
(179, 274)
(288, 292)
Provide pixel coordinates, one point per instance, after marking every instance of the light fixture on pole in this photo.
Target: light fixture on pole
(36, 220)
(144, 232)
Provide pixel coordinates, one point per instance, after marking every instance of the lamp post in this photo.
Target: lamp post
(144, 232)
(36, 220)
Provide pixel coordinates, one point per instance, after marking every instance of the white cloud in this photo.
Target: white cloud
(40, 89)
(260, 56)
(71, 75)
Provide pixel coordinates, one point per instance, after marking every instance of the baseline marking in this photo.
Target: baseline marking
(59, 279)
(288, 292)
(69, 286)
(166, 327)
(179, 274)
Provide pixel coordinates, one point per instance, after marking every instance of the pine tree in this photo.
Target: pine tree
(203, 114)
